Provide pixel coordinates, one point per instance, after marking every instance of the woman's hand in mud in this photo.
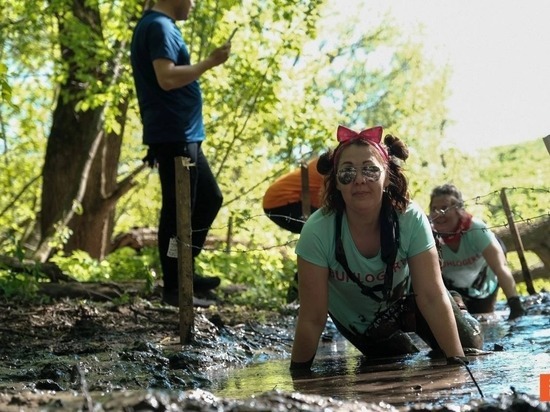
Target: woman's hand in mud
(457, 360)
(516, 308)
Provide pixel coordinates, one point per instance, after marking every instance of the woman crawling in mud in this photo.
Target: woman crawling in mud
(368, 259)
(474, 261)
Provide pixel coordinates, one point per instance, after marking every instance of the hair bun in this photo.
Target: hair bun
(324, 165)
(396, 147)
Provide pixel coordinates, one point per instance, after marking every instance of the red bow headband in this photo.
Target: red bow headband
(372, 135)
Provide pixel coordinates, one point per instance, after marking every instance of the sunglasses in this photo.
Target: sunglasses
(347, 174)
(437, 213)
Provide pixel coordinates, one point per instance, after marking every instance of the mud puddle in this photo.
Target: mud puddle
(515, 355)
(82, 356)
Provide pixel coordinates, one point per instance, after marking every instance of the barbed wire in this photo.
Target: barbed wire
(497, 203)
(513, 188)
(246, 219)
(529, 220)
(476, 199)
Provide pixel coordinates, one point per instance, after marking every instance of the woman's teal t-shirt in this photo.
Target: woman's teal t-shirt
(462, 268)
(347, 304)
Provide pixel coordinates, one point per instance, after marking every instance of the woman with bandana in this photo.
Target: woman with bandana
(367, 258)
(474, 263)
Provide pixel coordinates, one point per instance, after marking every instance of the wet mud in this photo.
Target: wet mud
(81, 355)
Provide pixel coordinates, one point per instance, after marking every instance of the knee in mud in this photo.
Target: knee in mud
(469, 331)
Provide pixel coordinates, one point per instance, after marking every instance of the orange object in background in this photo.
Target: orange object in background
(288, 188)
(545, 387)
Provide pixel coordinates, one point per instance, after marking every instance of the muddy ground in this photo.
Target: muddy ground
(78, 354)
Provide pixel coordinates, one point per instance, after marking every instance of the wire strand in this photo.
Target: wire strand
(471, 376)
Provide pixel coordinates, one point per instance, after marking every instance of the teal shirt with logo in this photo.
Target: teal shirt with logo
(461, 269)
(347, 304)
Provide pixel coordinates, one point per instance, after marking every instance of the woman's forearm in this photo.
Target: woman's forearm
(507, 283)
(439, 314)
(306, 340)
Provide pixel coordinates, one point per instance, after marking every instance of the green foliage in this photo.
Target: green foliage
(265, 275)
(540, 285)
(142, 205)
(275, 102)
(5, 88)
(82, 267)
(523, 170)
(124, 264)
(20, 286)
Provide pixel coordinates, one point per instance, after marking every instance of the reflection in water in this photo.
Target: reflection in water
(516, 354)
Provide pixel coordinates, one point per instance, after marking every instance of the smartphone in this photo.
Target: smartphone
(232, 34)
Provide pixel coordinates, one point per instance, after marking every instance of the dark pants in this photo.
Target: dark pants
(288, 217)
(206, 201)
(485, 305)
(398, 342)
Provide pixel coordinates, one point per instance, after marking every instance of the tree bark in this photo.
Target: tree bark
(92, 230)
(80, 188)
(535, 237)
(75, 134)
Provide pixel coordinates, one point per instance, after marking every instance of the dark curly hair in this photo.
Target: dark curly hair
(397, 191)
(448, 189)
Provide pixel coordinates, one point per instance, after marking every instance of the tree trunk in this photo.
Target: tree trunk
(75, 134)
(92, 230)
(80, 188)
(535, 237)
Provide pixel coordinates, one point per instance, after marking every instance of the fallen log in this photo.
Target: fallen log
(535, 237)
(137, 238)
(96, 291)
(31, 267)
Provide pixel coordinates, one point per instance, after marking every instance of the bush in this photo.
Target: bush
(266, 274)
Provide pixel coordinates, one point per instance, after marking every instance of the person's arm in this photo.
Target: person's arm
(433, 301)
(170, 76)
(312, 315)
(495, 258)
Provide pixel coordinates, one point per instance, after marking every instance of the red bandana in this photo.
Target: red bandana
(463, 225)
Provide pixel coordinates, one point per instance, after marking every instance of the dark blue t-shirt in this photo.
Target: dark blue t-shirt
(167, 116)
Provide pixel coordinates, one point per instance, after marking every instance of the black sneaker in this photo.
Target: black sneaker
(171, 297)
(204, 283)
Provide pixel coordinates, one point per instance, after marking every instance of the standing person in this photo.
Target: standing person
(282, 200)
(363, 253)
(474, 263)
(170, 103)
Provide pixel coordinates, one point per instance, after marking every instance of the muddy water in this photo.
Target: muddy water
(91, 365)
(515, 355)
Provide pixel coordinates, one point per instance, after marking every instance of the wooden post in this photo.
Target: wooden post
(185, 255)
(546, 141)
(306, 198)
(229, 239)
(517, 242)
